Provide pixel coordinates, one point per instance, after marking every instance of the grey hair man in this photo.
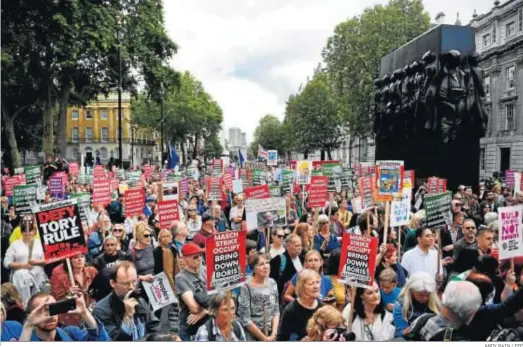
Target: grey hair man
(180, 233)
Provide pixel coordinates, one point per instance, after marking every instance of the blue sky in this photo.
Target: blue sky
(251, 54)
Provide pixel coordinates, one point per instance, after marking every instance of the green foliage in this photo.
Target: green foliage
(353, 54)
(270, 135)
(212, 148)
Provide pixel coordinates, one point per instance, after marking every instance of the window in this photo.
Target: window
(104, 114)
(520, 19)
(510, 29)
(486, 41)
(482, 159)
(486, 80)
(103, 152)
(89, 134)
(509, 76)
(509, 117)
(74, 115)
(88, 114)
(105, 134)
(74, 134)
(494, 33)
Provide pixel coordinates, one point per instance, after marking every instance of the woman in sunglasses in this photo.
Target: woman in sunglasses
(142, 253)
(193, 221)
(277, 246)
(25, 259)
(122, 242)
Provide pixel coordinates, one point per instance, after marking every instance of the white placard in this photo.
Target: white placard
(265, 212)
(237, 186)
(159, 292)
(510, 232)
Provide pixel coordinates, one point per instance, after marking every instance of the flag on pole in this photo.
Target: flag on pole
(241, 158)
(262, 153)
(173, 159)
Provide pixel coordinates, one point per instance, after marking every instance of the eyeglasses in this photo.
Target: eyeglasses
(470, 228)
(147, 235)
(280, 236)
(191, 210)
(117, 229)
(27, 230)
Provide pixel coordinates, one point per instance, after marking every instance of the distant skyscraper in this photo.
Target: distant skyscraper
(235, 137)
(243, 141)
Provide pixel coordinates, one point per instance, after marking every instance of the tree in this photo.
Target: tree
(212, 148)
(353, 55)
(269, 135)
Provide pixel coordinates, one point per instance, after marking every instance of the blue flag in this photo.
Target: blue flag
(173, 159)
(241, 158)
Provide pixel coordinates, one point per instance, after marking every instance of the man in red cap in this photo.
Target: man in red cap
(192, 292)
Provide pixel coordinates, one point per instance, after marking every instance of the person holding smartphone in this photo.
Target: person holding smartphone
(42, 322)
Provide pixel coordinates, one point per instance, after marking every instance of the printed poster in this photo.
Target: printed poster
(358, 260)
(303, 172)
(84, 205)
(170, 191)
(214, 188)
(237, 186)
(265, 213)
(399, 210)
(318, 194)
(159, 292)
(367, 198)
(437, 207)
(167, 213)
(272, 158)
(23, 196)
(226, 260)
(134, 202)
(101, 191)
(510, 231)
(389, 176)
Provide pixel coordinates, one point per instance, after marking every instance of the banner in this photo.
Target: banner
(167, 213)
(134, 202)
(358, 260)
(214, 188)
(226, 260)
(159, 292)
(510, 232)
(303, 172)
(265, 213)
(23, 197)
(60, 230)
(101, 191)
(318, 194)
(399, 210)
(260, 192)
(437, 208)
(272, 158)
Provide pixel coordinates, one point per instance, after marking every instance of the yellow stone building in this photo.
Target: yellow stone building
(93, 131)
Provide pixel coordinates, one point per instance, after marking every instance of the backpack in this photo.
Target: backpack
(212, 338)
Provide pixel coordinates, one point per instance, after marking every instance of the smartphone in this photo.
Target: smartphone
(62, 307)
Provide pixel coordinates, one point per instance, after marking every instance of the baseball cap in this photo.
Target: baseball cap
(191, 248)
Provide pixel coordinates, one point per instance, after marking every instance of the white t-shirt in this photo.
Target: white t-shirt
(297, 264)
(274, 252)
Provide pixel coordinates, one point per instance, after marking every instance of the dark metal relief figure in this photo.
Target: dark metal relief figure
(440, 94)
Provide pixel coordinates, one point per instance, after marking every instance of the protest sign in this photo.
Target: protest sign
(167, 213)
(409, 179)
(74, 169)
(225, 255)
(437, 208)
(99, 171)
(399, 210)
(33, 174)
(432, 185)
(346, 178)
(227, 181)
(358, 260)
(509, 178)
(170, 191)
(19, 170)
(60, 230)
(237, 186)
(318, 194)
(184, 186)
(23, 196)
(41, 192)
(159, 292)
(84, 179)
(367, 198)
(84, 205)
(9, 184)
(389, 177)
(442, 185)
(217, 167)
(287, 178)
(272, 158)
(147, 171)
(134, 202)
(334, 172)
(56, 185)
(214, 188)
(517, 182)
(101, 191)
(510, 232)
(274, 191)
(259, 177)
(260, 192)
(303, 172)
(265, 213)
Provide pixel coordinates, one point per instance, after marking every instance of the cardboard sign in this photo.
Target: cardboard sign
(225, 255)
(265, 213)
(214, 188)
(318, 194)
(101, 191)
(272, 158)
(159, 292)
(399, 210)
(134, 202)
(23, 197)
(358, 260)
(437, 207)
(303, 172)
(99, 171)
(260, 192)
(167, 213)
(510, 232)
(60, 230)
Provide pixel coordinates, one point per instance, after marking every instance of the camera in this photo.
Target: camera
(347, 335)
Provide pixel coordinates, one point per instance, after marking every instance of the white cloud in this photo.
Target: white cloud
(251, 54)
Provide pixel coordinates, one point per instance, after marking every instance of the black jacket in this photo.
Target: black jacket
(158, 258)
(287, 273)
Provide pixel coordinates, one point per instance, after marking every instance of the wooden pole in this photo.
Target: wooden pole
(70, 270)
(386, 222)
(351, 315)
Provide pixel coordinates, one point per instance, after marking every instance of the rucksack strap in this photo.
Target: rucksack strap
(236, 328)
(283, 263)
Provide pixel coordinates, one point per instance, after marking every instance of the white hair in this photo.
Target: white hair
(463, 299)
(419, 282)
(322, 218)
(490, 217)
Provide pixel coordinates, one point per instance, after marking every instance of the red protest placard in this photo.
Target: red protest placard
(318, 194)
(167, 213)
(101, 191)
(442, 185)
(225, 255)
(74, 169)
(134, 201)
(214, 188)
(99, 171)
(147, 171)
(227, 181)
(259, 192)
(115, 184)
(432, 185)
(184, 186)
(358, 260)
(9, 184)
(366, 192)
(61, 232)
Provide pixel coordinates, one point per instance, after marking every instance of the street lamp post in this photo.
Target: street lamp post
(162, 92)
(119, 88)
(133, 129)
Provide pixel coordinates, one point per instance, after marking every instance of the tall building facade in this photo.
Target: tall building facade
(235, 137)
(499, 41)
(93, 131)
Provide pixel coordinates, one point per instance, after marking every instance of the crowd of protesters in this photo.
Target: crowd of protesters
(431, 284)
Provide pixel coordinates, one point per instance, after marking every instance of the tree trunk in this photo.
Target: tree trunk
(184, 155)
(322, 155)
(196, 151)
(329, 154)
(350, 151)
(48, 127)
(306, 155)
(11, 140)
(61, 139)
